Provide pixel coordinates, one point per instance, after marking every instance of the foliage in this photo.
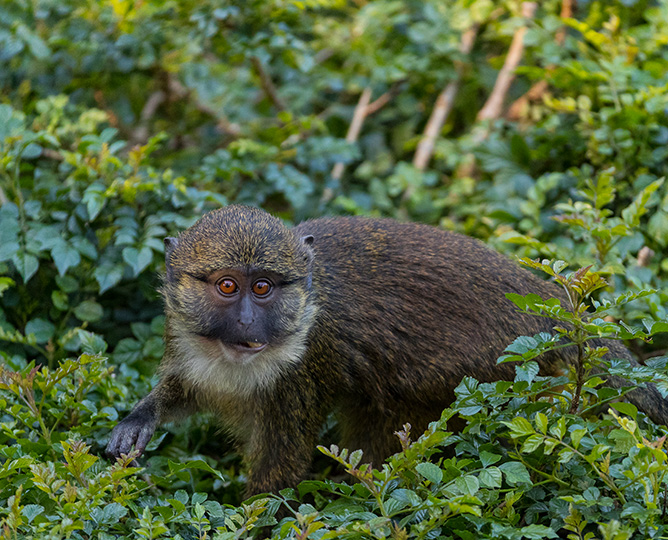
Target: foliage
(121, 122)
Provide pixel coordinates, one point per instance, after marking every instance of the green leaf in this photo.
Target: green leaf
(406, 495)
(109, 514)
(431, 472)
(59, 300)
(576, 436)
(520, 426)
(527, 372)
(138, 259)
(127, 351)
(515, 473)
(522, 344)
(94, 200)
(88, 311)
(541, 422)
(638, 207)
(26, 265)
(6, 283)
(91, 343)
(65, 256)
(490, 478)
(108, 275)
(9, 250)
(42, 329)
(537, 532)
(31, 511)
(531, 443)
(488, 458)
(468, 484)
(625, 408)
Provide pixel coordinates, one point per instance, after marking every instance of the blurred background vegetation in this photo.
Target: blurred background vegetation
(540, 128)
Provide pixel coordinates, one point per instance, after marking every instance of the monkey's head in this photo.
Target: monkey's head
(238, 285)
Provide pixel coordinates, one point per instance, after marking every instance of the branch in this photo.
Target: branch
(267, 84)
(492, 109)
(536, 92)
(49, 153)
(443, 106)
(355, 127)
(140, 133)
(384, 99)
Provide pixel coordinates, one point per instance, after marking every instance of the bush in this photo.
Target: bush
(122, 122)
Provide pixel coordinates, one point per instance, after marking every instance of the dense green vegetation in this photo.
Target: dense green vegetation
(122, 121)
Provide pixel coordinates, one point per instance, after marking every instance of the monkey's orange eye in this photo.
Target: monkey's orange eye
(227, 286)
(261, 287)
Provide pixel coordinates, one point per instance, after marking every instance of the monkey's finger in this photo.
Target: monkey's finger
(112, 446)
(143, 438)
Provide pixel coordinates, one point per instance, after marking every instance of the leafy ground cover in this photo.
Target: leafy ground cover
(121, 122)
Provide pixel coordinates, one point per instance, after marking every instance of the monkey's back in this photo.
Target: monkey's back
(413, 308)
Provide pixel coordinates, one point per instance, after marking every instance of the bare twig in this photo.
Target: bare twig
(52, 154)
(140, 133)
(538, 89)
(267, 84)
(443, 105)
(355, 127)
(222, 123)
(644, 256)
(494, 105)
(383, 100)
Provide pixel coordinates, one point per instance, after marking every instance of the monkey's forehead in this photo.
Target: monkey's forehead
(240, 237)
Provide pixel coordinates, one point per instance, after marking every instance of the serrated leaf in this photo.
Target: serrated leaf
(515, 473)
(520, 427)
(576, 436)
(467, 484)
(488, 458)
(522, 344)
(531, 443)
(490, 477)
(31, 511)
(431, 472)
(527, 372)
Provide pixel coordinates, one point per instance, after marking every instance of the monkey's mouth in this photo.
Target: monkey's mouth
(247, 346)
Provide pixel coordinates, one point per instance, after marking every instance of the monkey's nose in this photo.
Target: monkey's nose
(246, 321)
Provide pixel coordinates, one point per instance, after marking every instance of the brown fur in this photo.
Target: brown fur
(392, 314)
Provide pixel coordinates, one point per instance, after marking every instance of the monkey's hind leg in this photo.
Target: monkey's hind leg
(372, 431)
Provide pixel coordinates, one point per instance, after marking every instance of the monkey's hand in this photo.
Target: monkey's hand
(135, 430)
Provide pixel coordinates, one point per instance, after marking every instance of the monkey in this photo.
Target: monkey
(272, 328)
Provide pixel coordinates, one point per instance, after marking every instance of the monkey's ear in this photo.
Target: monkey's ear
(170, 245)
(307, 240)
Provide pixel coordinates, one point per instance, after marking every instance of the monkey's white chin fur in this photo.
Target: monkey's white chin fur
(220, 369)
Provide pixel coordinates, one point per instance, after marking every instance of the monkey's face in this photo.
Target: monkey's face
(237, 289)
(242, 311)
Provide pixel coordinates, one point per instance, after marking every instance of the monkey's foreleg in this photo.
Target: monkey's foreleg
(165, 402)
(281, 446)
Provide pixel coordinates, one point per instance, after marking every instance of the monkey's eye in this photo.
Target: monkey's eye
(261, 287)
(227, 286)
